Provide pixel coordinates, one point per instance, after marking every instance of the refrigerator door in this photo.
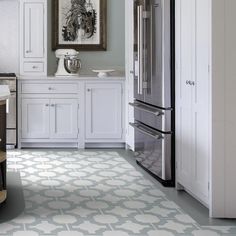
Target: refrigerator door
(139, 35)
(158, 92)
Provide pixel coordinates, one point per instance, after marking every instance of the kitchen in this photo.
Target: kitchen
(76, 133)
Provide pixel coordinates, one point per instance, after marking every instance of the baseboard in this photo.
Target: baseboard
(105, 145)
(49, 145)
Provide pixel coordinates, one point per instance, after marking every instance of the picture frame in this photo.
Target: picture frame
(79, 25)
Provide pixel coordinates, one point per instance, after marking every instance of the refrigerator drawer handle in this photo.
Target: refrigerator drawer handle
(145, 131)
(146, 108)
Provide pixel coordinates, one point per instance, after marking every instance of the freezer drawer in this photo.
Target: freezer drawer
(153, 150)
(157, 118)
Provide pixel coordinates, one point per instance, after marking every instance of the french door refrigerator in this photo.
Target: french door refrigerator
(154, 88)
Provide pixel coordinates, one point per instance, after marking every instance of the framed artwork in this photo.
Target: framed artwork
(79, 24)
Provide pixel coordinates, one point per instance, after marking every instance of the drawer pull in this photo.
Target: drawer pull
(145, 131)
(146, 109)
(35, 67)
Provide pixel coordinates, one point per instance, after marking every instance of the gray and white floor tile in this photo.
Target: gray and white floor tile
(94, 193)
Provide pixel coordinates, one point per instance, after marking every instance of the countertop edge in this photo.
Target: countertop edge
(4, 97)
(63, 78)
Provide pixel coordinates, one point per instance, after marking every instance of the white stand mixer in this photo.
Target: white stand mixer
(68, 63)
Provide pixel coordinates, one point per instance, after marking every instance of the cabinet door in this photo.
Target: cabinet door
(103, 111)
(200, 102)
(192, 95)
(35, 118)
(184, 74)
(129, 72)
(64, 118)
(33, 30)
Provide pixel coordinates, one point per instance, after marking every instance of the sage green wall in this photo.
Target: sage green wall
(114, 57)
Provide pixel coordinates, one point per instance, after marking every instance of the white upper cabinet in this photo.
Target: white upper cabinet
(34, 30)
(103, 111)
(33, 37)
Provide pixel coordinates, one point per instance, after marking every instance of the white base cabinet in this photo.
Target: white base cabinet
(103, 111)
(71, 113)
(35, 118)
(64, 118)
(49, 118)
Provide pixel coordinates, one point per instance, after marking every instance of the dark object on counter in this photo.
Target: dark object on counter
(11, 80)
(7, 75)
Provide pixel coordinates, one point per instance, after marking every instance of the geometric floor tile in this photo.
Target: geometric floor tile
(93, 193)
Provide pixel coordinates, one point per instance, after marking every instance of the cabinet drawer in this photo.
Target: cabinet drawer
(50, 88)
(34, 67)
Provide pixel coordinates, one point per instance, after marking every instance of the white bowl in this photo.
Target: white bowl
(103, 73)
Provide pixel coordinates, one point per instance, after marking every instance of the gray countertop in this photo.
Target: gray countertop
(120, 76)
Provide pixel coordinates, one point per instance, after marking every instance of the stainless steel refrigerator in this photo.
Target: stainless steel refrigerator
(154, 88)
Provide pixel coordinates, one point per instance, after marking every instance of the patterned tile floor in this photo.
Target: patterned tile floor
(94, 193)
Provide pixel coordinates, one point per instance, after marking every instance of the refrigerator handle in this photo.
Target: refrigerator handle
(140, 49)
(145, 131)
(146, 108)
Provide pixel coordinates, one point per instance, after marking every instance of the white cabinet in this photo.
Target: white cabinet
(33, 37)
(64, 118)
(33, 30)
(71, 112)
(35, 118)
(103, 111)
(129, 62)
(49, 118)
(48, 113)
(205, 114)
(192, 96)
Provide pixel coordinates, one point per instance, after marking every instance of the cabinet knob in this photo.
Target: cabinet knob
(89, 90)
(28, 51)
(187, 82)
(47, 105)
(49, 88)
(34, 67)
(52, 105)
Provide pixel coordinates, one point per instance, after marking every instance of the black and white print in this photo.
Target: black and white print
(79, 22)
